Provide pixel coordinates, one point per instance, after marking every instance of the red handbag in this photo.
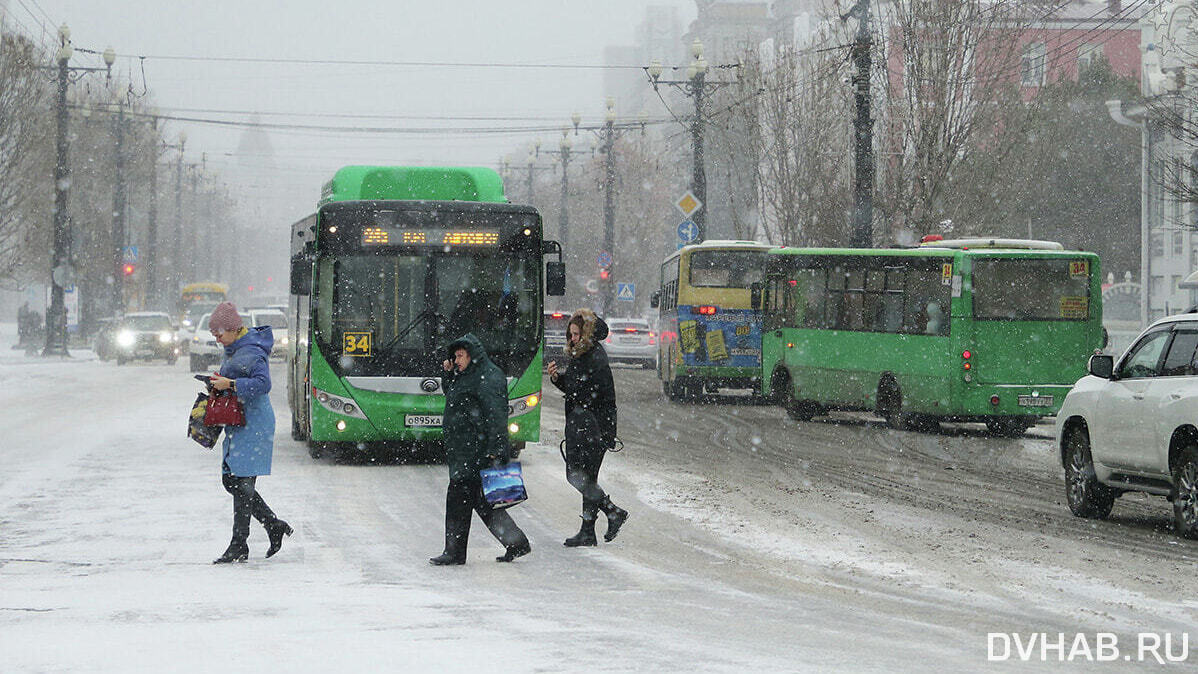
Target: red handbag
(224, 409)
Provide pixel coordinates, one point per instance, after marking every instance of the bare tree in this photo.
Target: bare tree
(25, 159)
(950, 84)
(800, 125)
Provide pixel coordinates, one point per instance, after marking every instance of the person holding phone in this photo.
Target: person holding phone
(248, 449)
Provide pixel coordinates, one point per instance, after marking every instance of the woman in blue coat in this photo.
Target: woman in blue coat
(247, 449)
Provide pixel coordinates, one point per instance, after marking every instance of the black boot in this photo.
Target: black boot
(447, 559)
(514, 552)
(277, 529)
(585, 535)
(238, 551)
(616, 517)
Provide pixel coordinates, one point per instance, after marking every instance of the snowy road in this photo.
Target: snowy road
(755, 544)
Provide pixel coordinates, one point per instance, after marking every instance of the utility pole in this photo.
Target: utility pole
(696, 86)
(177, 248)
(153, 291)
(863, 182)
(118, 213)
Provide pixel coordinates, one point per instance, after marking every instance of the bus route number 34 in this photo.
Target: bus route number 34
(356, 344)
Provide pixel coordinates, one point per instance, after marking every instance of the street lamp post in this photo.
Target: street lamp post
(695, 86)
(563, 152)
(529, 186)
(177, 243)
(610, 133)
(61, 272)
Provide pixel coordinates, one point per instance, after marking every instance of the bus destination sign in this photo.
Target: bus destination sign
(387, 236)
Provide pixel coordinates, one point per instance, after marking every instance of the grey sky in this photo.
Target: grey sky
(521, 31)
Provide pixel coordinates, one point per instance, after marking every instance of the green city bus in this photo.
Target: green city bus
(978, 330)
(396, 263)
(710, 334)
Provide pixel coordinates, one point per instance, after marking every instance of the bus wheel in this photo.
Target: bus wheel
(1007, 427)
(890, 405)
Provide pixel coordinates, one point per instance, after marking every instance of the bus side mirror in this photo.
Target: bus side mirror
(655, 299)
(1102, 365)
(301, 275)
(755, 295)
(555, 278)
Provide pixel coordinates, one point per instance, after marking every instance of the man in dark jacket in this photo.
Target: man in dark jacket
(475, 431)
(590, 395)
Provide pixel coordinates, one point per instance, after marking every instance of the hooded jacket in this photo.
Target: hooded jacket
(587, 382)
(475, 421)
(248, 449)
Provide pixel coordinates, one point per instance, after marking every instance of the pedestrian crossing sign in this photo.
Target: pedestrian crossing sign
(626, 292)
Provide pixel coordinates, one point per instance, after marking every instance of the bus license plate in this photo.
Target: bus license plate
(422, 420)
(1035, 401)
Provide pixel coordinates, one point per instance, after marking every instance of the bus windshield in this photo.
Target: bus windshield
(1021, 289)
(726, 268)
(412, 306)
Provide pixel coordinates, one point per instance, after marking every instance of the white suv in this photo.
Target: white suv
(1132, 425)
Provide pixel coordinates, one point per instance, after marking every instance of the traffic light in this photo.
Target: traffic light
(603, 274)
(128, 268)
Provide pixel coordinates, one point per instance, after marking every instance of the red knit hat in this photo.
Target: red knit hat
(224, 317)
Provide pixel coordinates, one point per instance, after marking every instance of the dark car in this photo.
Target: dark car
(147, 334)
(555, 336)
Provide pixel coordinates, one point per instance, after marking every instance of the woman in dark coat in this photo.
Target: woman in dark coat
(475, 430)
(247, 449)
(590, 422)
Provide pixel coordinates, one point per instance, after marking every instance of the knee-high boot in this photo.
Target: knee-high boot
(615, 517)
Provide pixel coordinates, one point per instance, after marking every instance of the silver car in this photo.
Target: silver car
(631, 340)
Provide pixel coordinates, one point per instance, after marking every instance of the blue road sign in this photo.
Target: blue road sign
(626, 292)
(129, 253)
(605, 259)
(688, 231)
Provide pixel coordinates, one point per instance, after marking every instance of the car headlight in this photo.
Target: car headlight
(126, 338)
(164, 337)
(187, 322)
(286, 341)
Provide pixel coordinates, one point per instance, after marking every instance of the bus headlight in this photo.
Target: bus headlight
(513, 428)
(519, 406)
(164, 337)
(341, 424)
(126, 338)
(338, 404)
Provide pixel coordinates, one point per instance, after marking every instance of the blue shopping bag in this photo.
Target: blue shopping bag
(503, 486)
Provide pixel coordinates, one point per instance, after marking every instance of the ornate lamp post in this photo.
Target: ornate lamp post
(62, 273)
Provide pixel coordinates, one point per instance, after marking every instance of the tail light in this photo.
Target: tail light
(966, 355)
(557, 314)
(652, 341)
(707, 311)
(630, 330)
(994, 400)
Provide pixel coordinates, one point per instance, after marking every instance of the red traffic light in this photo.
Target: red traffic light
(603, 274)
(128, 268)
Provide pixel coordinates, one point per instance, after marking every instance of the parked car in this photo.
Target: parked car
(631, 340)
(555, 336)
(277, 321)
(206, 352)
(144, 334)
(1132, 425)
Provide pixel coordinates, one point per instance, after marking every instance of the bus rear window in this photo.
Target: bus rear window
(726, 268)
(1031, 290)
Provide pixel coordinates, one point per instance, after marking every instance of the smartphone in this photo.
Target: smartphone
(204, 378)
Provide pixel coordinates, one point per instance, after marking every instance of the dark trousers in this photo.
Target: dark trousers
(464, 495)
(247, 502)
(584, 457)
